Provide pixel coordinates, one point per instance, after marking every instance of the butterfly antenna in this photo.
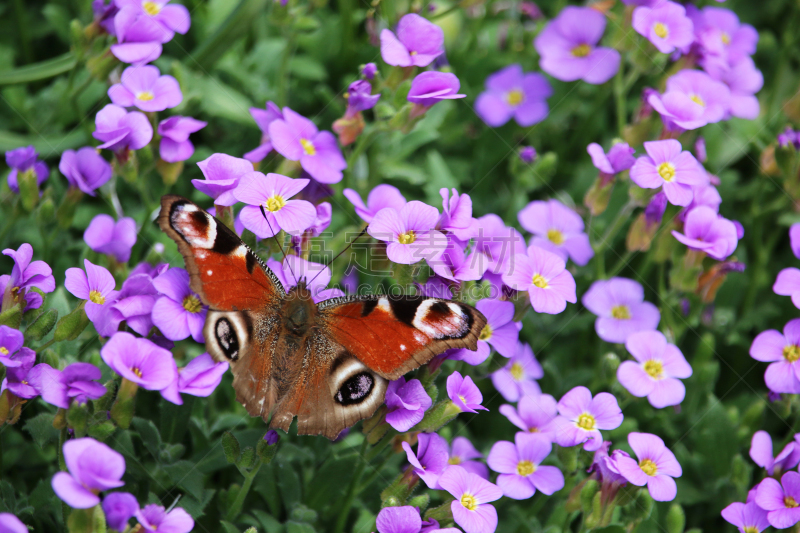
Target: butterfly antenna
(275, 236)
(363, 231)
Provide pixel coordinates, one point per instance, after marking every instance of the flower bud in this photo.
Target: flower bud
(597, 197)
(28, 188)
(588, 492)
(676, 519)
(12, 317)
(66, 211)
(77, 418)
(46, 212)
(71, 325)
(42, 325)
(442, 514)
(230, 446)
(568, 457)
(122, 410)
(400, 489)
(422, 501)
(169, 171)
(265, 450)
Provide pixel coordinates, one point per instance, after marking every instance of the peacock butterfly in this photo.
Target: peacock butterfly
(329, 363)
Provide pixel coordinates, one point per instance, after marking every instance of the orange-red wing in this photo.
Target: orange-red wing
(225, 273)
(395, 334)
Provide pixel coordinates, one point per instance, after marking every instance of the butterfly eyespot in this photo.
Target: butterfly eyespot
(356, 389)
(226, 338)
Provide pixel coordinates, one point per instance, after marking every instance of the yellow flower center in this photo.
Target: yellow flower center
(533, 430)
(515, 97)
(525, 468)
(654, 369)
(275, 203)
(666, 171)
(620, 312)
(412, 53)
(517, 372)
(469, 502)
(96, 298)
(582, 50)
(454, 460)
(790, 502)
(539, 281)
(555, 236)
(751, 529)
(648, 467)
(192, 304)
(726, 39)
(136, 371)
(308, 147)
(151, 8)
(697, 100)
(791, 353)
(486, 333)
(145, 96)
(661, 30)
(3, 350)
(407, 237)
(586, 421)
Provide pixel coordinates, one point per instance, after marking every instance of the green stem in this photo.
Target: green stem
(622, 263)
(620, 220)
(375, 473)
(619, 97)
(236, 507)
(45, 345)
(283, 71)
(447, 11)
(22, 29)
(350, 495)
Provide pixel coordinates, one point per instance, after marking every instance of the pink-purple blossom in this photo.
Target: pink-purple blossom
(11, 524)
(657, 370)
(140, 361)
(119, 508)
(723, 38)
(788, 284)
(92, 467)
(406, 403)
(692, 99)
(782, 350)
(464, 394)
(534, 414)
(780, 500)
(409, 232)
(747, 517)
(500, 332)
(316, 276)
(297, 139)
(619, 158)
(431, 86)
(417, 42)
(96, 286)
(145, 88)
(456, 217)
(511, 93)
(558, 229)
(172, 17)
(665, 25)
(620, 308)
(520, 468)
(77, 381)
(198, 378)
(222, 174)
(431, 459)
(581, 417)
(137, 297)
(178, 312)
(761, 454)
(403, 519)
(517, 378)
(17, 373)
(568, 47)
(381, 196)
(116, 239)
(543, 274)
(706, 231)
(666, 165)
(85, 169)
(656, 466)
(463, 453)
(453, 264)
(175, 145)
(120, 130)
(139, 36)
(22, 160)
(156, 518)
(10, 343)
(473, 496)
(272, 193)
(25, 275)
(263, 118)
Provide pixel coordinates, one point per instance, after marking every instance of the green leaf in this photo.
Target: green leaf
(298, 527)
(288, 483)
(149, 435)
(307, 68)
(186, 475)
(227, 34)
(39, 71)
(194, 506)
(41, 429)
(268, 521)
(228, 527)
(326, 489)
(439, 176)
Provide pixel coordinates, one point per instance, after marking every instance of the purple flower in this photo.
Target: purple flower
(520, 469)
(604, 470)
(665, 25)
(272, 192)
(85, 169)
(23, 160)
(172, 17)
(417, 43)
(431, 86)
(222, 175)
(406, 403)
(708, 232)
(272, 437)
(786, 284)
(381, 196)
(498, 242)
(398, 519)
(431, 458)
(783, 351)
(93, 467)
(454, 265)
(780, 500)
(78, 381)
(135, 300)
(794, 239)
(369, 70)
(744, 80)
(558, 229)
(139, 361)
(263, 118)
(543, 274)
(748, 517)
(462, 453)
(456, 217)
(410, 232)
(199, 378)
(510, 93)
(360, 98)
(11, 524)
(464, 393)
(654, 212)
(139, 37)
(316, 276)
(179, 312)
(105, 236)
(656, 468)
(518, 377)
(656, 370)
(175, 145)
(620, 308)
(24, 275)
(10, 342)
(527, 154)
(723, 38)
(692, 99)
(155, 518)
(96, 286)
(119, 507)
(667, 166)
(297, 139)
(144, 87)
(568, 47)
(17, 372)
(700, 149)
(120, 130)
(473, 494)
(534, 414)
(619, 158)
(500, 332)
(761, 454)
(581, 417)
(706, 195)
